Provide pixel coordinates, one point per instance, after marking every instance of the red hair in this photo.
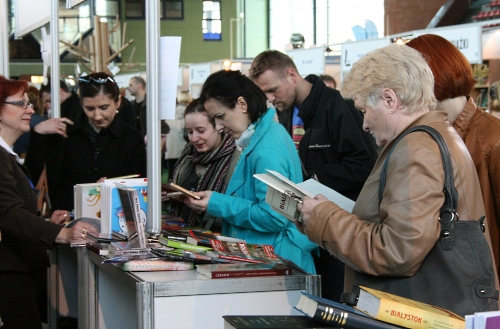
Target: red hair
(452, 71)
(11, 87)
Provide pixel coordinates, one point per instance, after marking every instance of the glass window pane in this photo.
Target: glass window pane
(173, 9)
(211, 23)
(135, 9)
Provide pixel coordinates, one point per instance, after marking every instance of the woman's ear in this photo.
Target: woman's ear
(390, 99)
(243, 104)
(118, 103)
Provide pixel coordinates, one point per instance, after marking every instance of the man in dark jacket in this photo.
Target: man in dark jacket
(328, 130)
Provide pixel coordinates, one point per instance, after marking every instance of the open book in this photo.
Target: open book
(283, 195)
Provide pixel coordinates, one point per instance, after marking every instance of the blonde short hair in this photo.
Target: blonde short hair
(397, 67)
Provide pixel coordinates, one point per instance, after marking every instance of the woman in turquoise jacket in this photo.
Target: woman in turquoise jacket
(239, 108)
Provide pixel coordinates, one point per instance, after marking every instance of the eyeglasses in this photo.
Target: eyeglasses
(24, 104)
(102, 80)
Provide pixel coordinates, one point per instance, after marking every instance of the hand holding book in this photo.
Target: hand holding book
(307, 205)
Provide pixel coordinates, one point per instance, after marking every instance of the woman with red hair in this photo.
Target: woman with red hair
(24, 236)
(479, 130)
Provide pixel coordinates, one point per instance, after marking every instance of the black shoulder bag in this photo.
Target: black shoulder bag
(458, 273)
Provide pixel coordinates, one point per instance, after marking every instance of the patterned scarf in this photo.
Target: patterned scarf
(216, 161)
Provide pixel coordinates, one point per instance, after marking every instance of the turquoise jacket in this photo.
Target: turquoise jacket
(244, 210)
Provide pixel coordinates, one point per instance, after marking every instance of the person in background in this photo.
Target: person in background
(175, 140)
(24, 236)
(97, 145)
(386, 240)
(495, 99)
(21, 145)
(240, 110)
(203, 164)
(328, 80)
(71, 106)
(332, 145)
(137, 88)
(479, 130)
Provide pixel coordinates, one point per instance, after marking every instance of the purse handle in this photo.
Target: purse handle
(447, 212)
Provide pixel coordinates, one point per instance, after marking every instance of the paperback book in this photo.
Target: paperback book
(242, 270)
(156, 265)
(87, 200)
(283, 195)
(406, 312)
(243, 252)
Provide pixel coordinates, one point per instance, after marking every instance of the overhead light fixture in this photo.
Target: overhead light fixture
(491, 48)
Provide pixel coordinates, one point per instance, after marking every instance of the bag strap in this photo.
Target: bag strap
(448, 212)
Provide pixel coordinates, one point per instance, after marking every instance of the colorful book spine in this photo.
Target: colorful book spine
(183, 245)
(156, 265)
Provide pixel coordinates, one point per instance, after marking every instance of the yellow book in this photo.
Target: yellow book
(406, 312)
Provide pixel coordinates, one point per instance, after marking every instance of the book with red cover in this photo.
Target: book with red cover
(243, 252)
(242, 270)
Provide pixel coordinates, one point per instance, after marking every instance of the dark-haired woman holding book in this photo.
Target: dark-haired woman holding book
(98, 145)
(204, 163)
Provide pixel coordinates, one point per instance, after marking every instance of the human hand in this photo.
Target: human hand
(76, 233)
(53, 126)
(201, 205)
(307, 207)
(60, 217)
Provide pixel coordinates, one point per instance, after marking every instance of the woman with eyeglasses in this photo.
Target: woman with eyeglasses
(98, 145)
(24, 236)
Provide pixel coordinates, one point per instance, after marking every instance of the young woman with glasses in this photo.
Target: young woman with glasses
(24, 236)
(99, 144)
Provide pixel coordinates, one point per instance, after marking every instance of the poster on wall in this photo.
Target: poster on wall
(466, 37)
(309, 61)
(29, 20)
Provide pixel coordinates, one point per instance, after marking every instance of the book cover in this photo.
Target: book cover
(486, 320)
(112, 213)
(243, 252)
(270, 321)
(337, 314)
(181, 245)
(156, 265)
(283, 195)
(406, 312)
(99, 248)
(87, 200)
(129, 198)
(224, 271)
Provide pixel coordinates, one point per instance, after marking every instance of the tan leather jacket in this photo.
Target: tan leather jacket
(480, 132)
(395, 238)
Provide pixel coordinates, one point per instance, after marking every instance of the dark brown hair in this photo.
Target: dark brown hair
(452, 71)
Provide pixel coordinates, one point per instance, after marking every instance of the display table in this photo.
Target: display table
(111, 298)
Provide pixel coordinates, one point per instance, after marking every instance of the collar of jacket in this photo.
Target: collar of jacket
(462, 123)
(116, 128)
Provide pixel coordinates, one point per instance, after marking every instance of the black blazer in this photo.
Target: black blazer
(25, 236)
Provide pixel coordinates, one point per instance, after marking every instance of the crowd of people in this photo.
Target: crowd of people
(274, 119)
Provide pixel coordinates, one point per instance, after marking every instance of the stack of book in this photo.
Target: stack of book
(378, 310)
(241, 270)
(483, 320)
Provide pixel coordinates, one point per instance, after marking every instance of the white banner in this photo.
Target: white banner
(353, 51)
(170, 52)
(466, 37)
(309, 61)
(30, 15)
(199, 72)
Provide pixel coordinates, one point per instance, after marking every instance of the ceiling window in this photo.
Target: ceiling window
(211, 24)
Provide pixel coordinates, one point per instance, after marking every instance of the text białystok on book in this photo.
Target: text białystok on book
(336, 314)
(241, 270)
(406, 312)
(283, 195)
(270, 321)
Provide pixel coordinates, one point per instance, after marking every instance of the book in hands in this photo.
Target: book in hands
(406, 312)
(177, 188)
(283, 195)
(337, 314)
